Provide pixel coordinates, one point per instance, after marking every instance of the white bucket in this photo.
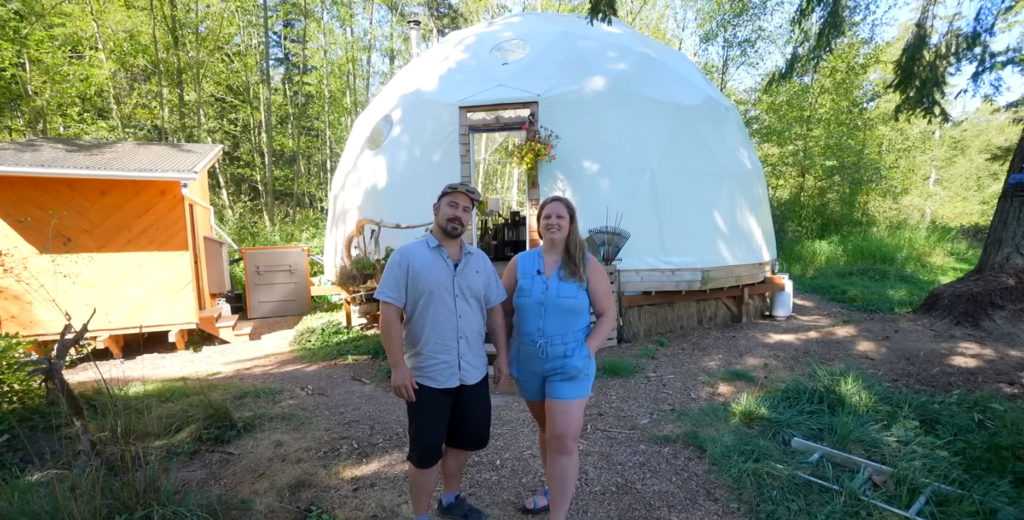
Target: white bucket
(782, 302)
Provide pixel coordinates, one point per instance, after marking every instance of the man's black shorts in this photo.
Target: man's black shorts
(458, 417)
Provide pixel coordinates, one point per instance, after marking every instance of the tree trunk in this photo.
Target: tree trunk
(295, 128)
(197, 77)
(158, 61)
(325, 77)
(37, 118)
(268, 118)
(222, 184)
(179, 74)
(111, 98)
(992, 295)
(1004, 246)
(369, 54)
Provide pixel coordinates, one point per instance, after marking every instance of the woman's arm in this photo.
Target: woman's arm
(509, 280)
(600, 290)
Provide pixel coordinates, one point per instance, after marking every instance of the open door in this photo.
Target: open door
(501, 226)
(500, 222)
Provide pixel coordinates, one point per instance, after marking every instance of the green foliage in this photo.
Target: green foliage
(736, 375)
(316, 513)
(748, 408)
(881, 270)
(961, 167)
(19, 390)
(141, 429)
(526, 156)
(617, 367)
(962, 440)
(602, 11)
(941, 45)
(647, 352)
(177, 417)
(364, 265)
(734, 36)
(329, 339)
(819, 28)
(103, 491)
(822, 147)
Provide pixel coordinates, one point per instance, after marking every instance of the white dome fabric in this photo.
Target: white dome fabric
(642, 133)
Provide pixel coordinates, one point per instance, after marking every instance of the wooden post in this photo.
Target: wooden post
(743, 299)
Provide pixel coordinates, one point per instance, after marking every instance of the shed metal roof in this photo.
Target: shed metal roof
(107, 160)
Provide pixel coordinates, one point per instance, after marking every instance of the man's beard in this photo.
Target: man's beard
(453, 228)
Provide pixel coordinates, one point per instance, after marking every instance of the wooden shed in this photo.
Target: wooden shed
(123, 228)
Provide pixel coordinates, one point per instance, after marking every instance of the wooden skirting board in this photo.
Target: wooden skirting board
(771, 284)
(691, 279)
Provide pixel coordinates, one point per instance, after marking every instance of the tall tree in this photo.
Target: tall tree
(268, 125)
(936, 47)
(733, 36)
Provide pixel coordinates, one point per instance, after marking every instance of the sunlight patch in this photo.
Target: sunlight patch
(964, 362)
(390, 464)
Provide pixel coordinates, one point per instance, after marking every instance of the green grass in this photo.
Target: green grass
(617, 367)
(179, 417)
(141, 432)
(325, 338)
(879, 270)
(971, 442)
(647, 352)
(736, 375)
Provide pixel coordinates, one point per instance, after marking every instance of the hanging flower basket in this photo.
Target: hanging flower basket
(538, 147)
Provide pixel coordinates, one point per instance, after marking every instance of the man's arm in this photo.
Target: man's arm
(499, 335)
(402, 382)
(392, 293)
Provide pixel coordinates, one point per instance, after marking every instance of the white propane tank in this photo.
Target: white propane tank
(782, 302)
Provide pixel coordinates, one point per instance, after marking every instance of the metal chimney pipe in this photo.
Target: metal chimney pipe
(414, 37)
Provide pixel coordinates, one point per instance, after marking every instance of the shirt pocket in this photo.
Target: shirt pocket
(524, 287)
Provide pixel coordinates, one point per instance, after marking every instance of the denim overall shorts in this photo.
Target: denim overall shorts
(549, 357)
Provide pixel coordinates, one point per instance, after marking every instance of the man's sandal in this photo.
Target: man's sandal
(533, 508)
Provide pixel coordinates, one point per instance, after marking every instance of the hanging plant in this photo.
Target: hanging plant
(539, 146)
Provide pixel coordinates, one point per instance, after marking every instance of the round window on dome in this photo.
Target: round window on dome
(380, 132)
(510, 50)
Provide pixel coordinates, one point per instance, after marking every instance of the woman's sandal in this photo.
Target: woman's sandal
(533, 509)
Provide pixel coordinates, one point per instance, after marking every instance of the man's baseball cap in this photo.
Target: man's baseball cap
(461, 187)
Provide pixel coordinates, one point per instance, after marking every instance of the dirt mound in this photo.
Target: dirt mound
(987, 300)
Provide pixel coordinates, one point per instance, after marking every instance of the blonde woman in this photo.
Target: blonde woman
(552, 290)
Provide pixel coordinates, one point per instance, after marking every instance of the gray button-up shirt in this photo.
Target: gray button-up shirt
(445, 309)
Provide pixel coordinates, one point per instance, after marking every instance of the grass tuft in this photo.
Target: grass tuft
(880, 269)
(736, 375)
(141, 431)
(963, 440)
(617, 367)
(329, 339)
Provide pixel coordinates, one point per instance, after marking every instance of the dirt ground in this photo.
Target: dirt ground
(342, 445)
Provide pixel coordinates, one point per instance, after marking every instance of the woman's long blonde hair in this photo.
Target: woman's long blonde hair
(574, 260)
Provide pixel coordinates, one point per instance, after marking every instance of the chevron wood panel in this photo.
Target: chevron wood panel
(76, 244)
(138, 289)
(56, 215)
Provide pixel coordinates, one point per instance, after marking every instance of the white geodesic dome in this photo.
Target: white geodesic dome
(642, 133)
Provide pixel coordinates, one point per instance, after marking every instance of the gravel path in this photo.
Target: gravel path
(340, 441)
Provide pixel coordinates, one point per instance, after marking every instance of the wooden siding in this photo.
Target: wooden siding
(118, 246)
